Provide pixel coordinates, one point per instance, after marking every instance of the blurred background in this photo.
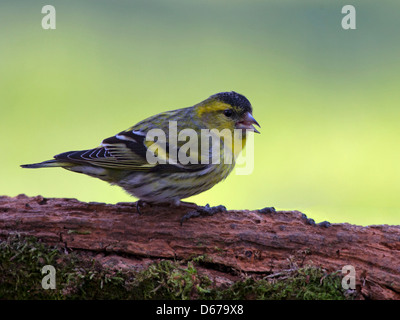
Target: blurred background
(327, 99)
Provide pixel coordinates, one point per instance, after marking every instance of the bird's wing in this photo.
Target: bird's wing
(128, 150)
(125, 150)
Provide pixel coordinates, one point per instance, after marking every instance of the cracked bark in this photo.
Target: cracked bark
(250, 241)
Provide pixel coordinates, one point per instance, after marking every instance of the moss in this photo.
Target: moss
(170, 280)
(21, 261)
(79, 232)
(307, 283)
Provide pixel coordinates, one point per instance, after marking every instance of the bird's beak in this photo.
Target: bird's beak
(246, 123)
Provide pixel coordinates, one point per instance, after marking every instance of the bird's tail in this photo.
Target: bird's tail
(47, 164)
(86, 168)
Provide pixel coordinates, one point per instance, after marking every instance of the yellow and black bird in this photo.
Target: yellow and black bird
(122, 160)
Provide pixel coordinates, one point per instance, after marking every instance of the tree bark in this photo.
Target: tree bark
(247, 241)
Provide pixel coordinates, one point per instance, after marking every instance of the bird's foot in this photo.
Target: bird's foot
(141, 204)
(203, 211)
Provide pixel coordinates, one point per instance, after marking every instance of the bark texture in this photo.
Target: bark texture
(248, 241)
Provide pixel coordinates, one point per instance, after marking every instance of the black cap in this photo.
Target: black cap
(234, 99)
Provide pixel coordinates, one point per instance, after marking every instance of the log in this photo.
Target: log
(247, 241)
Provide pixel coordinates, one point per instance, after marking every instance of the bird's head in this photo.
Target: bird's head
(229, 110)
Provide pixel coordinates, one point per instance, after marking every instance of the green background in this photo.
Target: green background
(327, 99)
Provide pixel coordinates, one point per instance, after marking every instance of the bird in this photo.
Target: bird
(123, 159)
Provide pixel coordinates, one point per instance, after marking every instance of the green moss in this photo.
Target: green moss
(21, 262)
(22, 259)
(79, 232)
(170, 280)
(308, 283)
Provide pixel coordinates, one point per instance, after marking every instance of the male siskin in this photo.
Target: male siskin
(121, 159)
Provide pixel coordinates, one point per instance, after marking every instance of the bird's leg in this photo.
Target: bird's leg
(205, 211)
(140, 203)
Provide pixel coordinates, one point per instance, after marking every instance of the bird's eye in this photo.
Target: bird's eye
(228, 113)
